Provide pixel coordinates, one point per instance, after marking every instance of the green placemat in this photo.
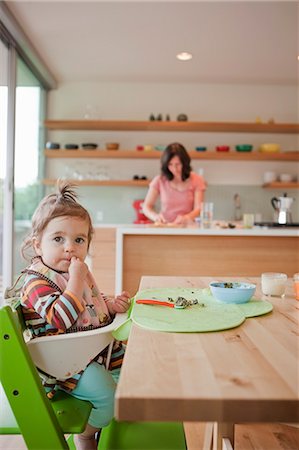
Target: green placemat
(209, 315)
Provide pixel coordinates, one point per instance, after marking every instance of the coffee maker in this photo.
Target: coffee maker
(282, 208)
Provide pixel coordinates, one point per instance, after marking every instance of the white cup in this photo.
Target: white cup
(269, 177)
(206, 214)
(248, 220)
(274, 284)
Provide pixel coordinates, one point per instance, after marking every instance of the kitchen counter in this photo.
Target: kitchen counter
(122, 253)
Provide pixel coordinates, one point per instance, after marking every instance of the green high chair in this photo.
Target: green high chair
(43, 423)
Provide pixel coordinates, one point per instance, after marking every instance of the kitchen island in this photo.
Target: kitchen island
(121, 254)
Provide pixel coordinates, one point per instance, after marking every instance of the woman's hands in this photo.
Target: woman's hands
(121, 303)
(182, 219)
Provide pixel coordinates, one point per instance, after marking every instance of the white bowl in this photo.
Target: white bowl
(285, 177)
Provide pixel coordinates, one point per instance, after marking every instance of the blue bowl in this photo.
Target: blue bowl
(232, 292)
(200, 149)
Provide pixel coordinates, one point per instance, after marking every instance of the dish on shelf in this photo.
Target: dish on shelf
(89, 146)
(244, 147)
(222, 148)
(161, 148)
(71, 146)
(200, 149)
(269, 148)
(285, 177)
(112, 145)
(52, 145)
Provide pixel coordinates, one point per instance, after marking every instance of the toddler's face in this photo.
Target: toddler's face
(63, 238)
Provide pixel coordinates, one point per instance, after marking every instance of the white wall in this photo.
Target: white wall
(201, 102)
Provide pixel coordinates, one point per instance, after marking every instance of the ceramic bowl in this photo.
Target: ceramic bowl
(222, 148)
(270, 148)
(244, 148)
(232, 292)
(286, 177)
(200, 149)
(112, 145)
(161, 148)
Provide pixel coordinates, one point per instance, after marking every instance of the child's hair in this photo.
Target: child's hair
(61, 203)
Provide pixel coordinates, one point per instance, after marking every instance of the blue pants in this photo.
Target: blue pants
(97, 385)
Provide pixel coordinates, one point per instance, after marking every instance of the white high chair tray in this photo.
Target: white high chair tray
(64, 355)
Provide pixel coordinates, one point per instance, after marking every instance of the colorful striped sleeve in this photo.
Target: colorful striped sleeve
(61, 310)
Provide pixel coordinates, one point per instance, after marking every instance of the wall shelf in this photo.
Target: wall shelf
(126, 125)
(281, 185)
(134, 183)
(155, 154)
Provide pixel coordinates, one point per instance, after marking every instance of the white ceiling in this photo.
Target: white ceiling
(237, 41)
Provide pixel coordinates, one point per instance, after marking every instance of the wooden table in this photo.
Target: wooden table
(246, 374)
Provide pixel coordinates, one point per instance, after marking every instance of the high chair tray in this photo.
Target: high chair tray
(64, 355)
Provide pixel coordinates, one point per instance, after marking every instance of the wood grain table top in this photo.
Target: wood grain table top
(245, 374)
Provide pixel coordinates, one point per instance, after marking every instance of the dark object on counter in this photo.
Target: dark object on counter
(159, 117)
(53, 145)
(90, 146)
(200, 149)
(137, 177)
(71, 146)
(152, 117)
(167, 117)
(182, 118)
(277, 225)
(244, 148)
(231, 225)
(222, 148)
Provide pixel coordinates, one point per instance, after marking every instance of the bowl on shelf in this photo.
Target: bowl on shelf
(222, 148)
(232, 292)
(112, 146)
(269, 148)
(200, 149)
(244, 147)
(161, 148)
(89, 146)
(285, 177)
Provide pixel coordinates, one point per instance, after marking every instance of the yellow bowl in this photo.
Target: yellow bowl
(270, 148)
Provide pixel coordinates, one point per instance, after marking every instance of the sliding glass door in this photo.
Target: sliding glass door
(28, 161)
(3, 142)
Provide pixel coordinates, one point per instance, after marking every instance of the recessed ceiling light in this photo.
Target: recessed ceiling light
(184, 56)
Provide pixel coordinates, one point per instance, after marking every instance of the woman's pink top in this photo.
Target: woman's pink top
(174, 202)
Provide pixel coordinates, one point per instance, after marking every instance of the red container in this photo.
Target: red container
(222, 148)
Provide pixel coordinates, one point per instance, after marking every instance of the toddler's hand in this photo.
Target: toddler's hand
(78, 268)
(121, 302)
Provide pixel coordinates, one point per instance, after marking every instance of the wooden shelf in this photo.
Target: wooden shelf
(125, 125)
(135, 183)
(155, 154)
(281, 185)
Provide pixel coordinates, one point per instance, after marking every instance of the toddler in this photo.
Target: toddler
(60, 295)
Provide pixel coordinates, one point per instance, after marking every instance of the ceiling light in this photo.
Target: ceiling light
(184, 56)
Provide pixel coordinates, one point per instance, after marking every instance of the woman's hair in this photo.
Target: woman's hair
(172, 150)
(61, 203)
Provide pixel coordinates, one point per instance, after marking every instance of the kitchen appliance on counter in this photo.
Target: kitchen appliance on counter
(277, 225)
(282, 208)
(141, 218)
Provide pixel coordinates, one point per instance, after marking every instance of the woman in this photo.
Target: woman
(181, 191)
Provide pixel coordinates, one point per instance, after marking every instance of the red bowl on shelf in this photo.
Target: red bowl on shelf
(222, 148)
